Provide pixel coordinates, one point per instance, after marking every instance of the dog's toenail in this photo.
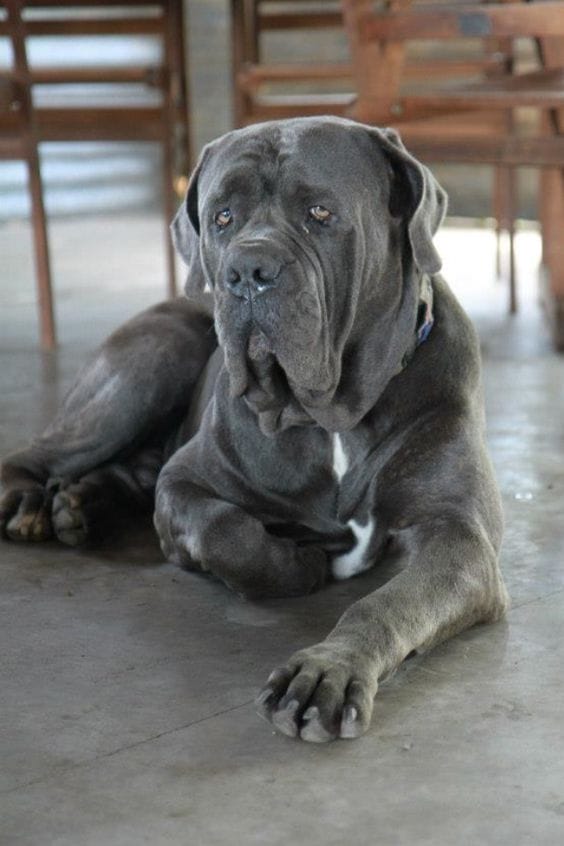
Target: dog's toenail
(264, 696)
(351, 714)
(312, 713)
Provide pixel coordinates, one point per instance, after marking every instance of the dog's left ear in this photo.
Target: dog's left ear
(416, 195)
(185, 231)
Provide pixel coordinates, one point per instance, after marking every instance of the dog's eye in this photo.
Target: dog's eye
(321, 214)
(223, 218)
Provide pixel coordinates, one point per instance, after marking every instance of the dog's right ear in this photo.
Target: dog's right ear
(185, 231)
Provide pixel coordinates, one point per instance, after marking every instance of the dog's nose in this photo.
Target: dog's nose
(250, 275)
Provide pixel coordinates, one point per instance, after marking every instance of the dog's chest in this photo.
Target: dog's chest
(359, 557)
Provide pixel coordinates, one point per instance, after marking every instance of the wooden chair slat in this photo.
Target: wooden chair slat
(101, 124)
(484, 20)
(90, 26)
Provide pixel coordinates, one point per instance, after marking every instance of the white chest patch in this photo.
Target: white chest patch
(340, 461)
(357, 560)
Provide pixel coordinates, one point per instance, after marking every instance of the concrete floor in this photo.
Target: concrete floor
(126, 685)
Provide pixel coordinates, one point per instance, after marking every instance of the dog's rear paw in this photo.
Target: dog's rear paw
(25, 515)
(69, 515)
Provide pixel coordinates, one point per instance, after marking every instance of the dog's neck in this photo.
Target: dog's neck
(425, 320)
(354, 397)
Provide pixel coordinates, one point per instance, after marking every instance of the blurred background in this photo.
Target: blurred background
(124, 94)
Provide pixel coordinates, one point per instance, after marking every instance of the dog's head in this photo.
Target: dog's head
(313, 235)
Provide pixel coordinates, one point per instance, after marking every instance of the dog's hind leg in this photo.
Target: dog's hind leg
(89, 508)
(139, 382)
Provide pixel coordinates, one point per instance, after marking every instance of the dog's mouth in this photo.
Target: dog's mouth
(259, 346)
(268, 386)
(276, 355)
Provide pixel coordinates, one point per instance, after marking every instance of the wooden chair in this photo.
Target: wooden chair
(476, 120)
(18, 140)
(264, 89)
(255, 73)
(129, 101)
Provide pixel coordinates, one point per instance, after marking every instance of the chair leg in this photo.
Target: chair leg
(505, 211)
(169, 211)
(39, 226)
(174, 140)
(552, 221)
(513, 301)
(498, 215)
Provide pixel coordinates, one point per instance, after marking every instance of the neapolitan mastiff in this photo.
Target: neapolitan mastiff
(335, 409)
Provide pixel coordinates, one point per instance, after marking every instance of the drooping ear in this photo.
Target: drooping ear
(185, 231)
(416, 195)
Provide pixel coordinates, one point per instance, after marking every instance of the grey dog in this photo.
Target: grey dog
(312, 401)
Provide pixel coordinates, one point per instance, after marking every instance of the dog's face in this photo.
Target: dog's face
(300, 229)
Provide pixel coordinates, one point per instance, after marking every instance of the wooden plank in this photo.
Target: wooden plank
(56, 4)
(300, 20)
(379, 65)
(101, 124)
(275, 108)
(465, 125)
(252, 76)
(290, 4)
(8, 93)
(552, 55)
(503, 20)
(551, 205)
(92, 75)
(238, 57)
(255, 75)
(541, 89)
(11, 122)
(10, 146)
(514, 151)
(90, 26)
(553, 306)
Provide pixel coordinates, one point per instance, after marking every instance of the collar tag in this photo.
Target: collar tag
(425, 312)
(425, 323)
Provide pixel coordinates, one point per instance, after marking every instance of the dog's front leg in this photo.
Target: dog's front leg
(451, 581)
(201, 531)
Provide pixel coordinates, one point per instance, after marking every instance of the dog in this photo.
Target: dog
(312, 401)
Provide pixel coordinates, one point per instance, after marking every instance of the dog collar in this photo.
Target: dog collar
(425, 319)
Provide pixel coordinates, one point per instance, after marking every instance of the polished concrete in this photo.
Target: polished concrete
(126, 685)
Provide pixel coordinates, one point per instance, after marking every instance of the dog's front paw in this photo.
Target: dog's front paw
(178, 547)
(25, 515)
(322, 693)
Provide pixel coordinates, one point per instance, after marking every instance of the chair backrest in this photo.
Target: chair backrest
(135, 94)
(17, 126)
(314, 73)
(289, 58)
(380, 40)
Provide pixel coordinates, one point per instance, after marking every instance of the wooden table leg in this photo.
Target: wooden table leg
(552, 209)
(552, 221)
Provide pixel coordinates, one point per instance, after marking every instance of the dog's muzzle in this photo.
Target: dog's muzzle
(253, 268)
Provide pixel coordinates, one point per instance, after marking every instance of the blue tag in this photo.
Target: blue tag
(424, 331)
(425, 322)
